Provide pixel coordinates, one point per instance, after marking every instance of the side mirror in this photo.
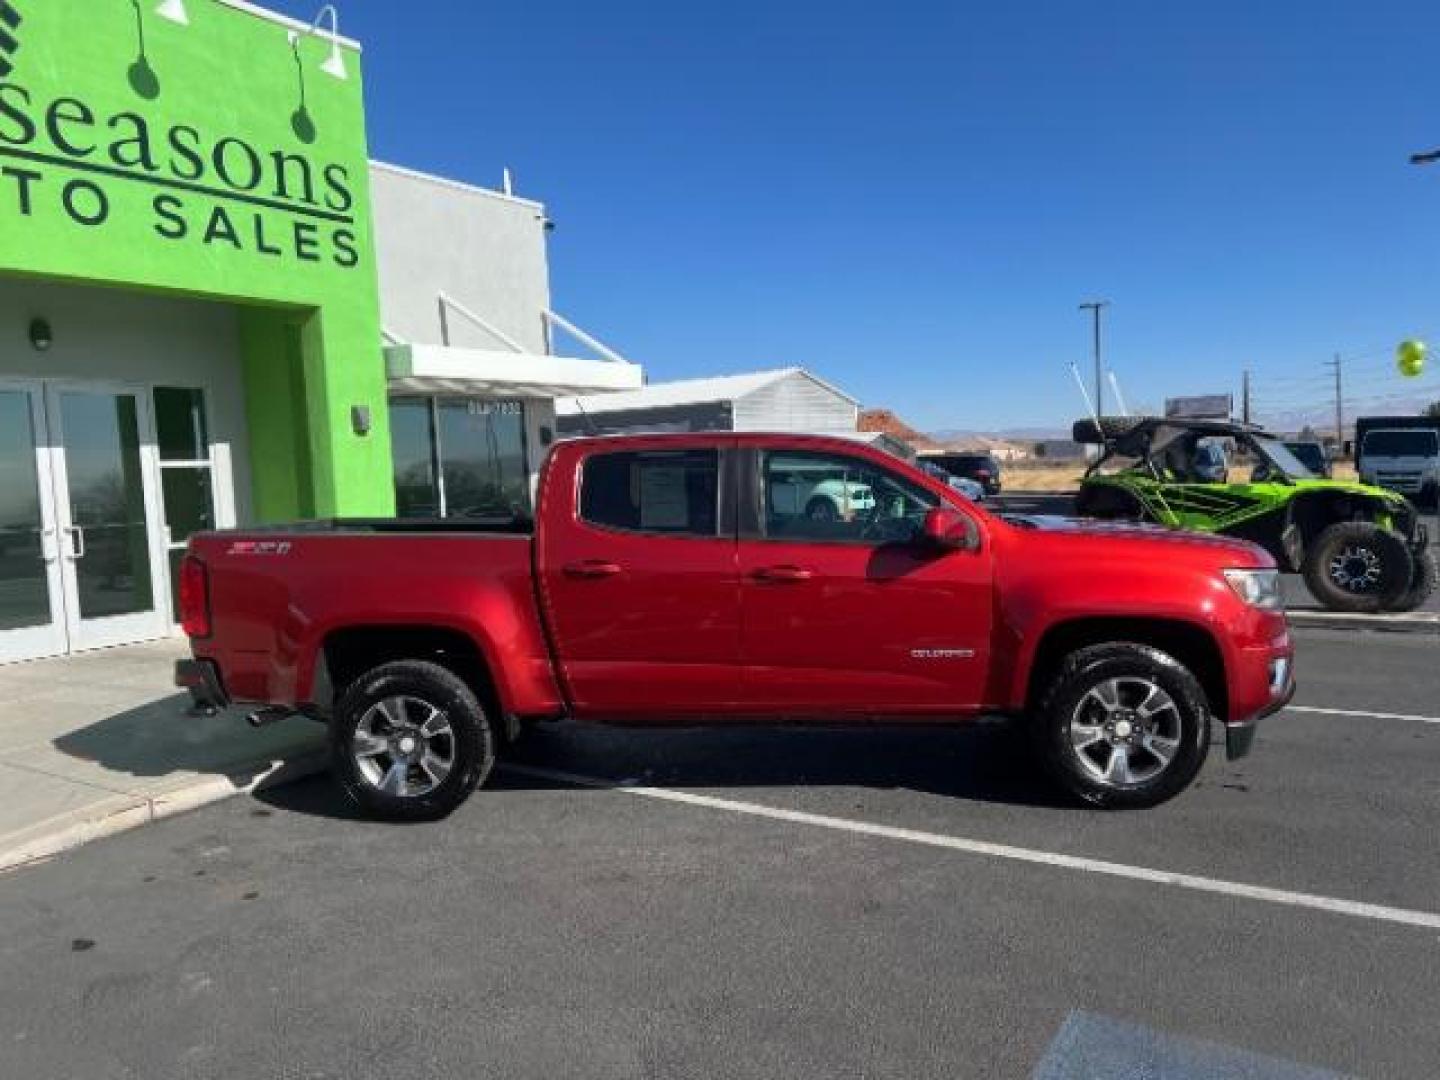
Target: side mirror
(949, 530)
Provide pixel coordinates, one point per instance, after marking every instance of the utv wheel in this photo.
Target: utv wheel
(1424, 580)
(1358, 566)
(1123, 725)
(410, 742)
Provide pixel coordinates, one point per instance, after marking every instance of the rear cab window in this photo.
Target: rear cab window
(664, 492)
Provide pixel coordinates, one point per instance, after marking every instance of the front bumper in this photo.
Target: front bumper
(1240, 736)
(202, 679)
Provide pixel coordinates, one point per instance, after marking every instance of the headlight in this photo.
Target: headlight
(1258, 588)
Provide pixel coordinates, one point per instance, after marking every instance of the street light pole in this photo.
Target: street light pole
(1095, 307)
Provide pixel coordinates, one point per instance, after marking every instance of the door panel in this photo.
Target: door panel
(31, 608)
(108, 514)
(639, 581)
(843, 611)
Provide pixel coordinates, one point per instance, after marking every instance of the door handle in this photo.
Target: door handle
(77, 537)
(592, 568)
(784, 573)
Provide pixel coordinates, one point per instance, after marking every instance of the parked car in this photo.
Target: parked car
(818, 496)
(1361, 548)
(1312, 455)
(1403, 459)
(984, 469)
(971, 489)
(661, 583)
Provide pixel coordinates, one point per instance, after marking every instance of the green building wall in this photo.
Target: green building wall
(213, 160)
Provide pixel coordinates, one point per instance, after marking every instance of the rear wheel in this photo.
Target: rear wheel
(410, 742)
(1123, 725)
(1358, 566)
(1424, 580)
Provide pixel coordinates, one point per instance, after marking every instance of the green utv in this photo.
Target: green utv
(1360, 548)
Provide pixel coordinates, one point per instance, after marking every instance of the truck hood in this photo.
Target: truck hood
(1222, 550)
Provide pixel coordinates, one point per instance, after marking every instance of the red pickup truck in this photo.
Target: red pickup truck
(735, 578)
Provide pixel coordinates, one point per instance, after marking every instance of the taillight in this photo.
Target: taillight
(194, 598)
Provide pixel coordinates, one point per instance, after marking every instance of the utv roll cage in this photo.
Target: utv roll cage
(1148, 438)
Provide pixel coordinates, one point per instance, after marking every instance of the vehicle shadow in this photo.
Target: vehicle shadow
(163, 738)
(985, 762)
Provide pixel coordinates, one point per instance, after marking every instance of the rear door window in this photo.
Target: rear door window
(668, 492)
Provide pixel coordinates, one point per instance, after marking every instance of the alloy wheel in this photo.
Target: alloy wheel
(404, 746)
(1125, 730)
(1356, 569)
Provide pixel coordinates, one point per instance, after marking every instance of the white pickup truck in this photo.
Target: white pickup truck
(1406, 460)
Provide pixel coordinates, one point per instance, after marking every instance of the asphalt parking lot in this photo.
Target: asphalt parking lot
(776, 903)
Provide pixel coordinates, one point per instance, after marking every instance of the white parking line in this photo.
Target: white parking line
(1362, 714)
(1332, 905)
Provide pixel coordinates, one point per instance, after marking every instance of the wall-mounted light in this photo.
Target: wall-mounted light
(334, 64)
(40, 336)
(174, 10)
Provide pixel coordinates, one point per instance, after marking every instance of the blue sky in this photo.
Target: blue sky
(910, 199)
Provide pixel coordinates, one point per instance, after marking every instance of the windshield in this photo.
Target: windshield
(1309, 454)
(1282, 460)
(1400, 443)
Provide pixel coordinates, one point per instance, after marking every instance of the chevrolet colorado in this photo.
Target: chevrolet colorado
(662, 583)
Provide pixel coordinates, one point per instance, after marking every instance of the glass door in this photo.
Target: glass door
(111, 550)
(32, 611)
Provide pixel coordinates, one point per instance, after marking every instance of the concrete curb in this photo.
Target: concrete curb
(1417, 623)
(74, 828)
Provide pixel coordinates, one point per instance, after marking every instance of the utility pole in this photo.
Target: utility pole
(1095, 307)
(1245, 396)
(1336, 364)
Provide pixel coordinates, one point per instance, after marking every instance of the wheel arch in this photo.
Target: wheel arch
(1312, 512)
(346, 653)
(1189, 643)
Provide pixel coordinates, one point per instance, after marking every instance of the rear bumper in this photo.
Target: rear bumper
(202, 679)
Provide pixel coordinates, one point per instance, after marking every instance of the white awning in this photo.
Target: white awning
(441, 369)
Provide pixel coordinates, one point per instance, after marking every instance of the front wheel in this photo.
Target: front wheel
(410, 742)
(1358, 566)
(1123, 725)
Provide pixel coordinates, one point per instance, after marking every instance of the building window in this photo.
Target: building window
(675, 492)
(459, 457)
(187, 473)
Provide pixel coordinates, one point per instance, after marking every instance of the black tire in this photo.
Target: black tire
(1371, 548)
(470, 744)
(1424, 580)
(1183, 724)
(821, 509)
